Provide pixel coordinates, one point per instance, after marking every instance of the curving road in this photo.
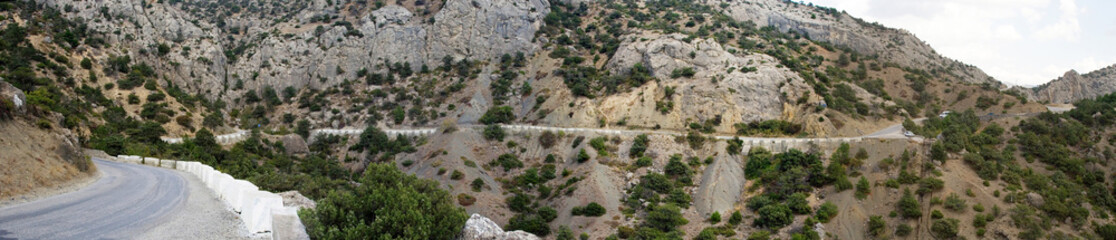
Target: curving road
(125, 202)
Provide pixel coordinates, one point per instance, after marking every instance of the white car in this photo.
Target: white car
(908, 134)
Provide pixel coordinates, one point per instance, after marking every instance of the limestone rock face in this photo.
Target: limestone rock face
(278, 44)
(1072, 86)
(736, 96)
(840, 29)
(481, 228)
(13, 95)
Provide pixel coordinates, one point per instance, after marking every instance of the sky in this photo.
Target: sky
(1019, 42)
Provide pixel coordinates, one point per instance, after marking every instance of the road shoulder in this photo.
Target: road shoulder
(204, 216)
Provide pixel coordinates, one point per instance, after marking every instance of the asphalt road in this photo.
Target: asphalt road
(126, 201)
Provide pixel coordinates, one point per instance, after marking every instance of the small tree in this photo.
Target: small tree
(863, 188)
(582, 156)
(876, 226)
(494, 132)
(736, 218)
(715, 218)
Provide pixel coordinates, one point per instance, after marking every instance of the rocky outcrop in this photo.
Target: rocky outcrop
(13, 95)
(891, 45)
(1072, 86)
(714, 90)
(481, 228)
(268, 48)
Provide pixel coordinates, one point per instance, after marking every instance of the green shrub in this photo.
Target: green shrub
(591, 210)
(774, 216)
(598, 143)
(494, 132)
(6, 108)
(908, 206)
(736, 218)
(944, 228)
(955, 203)
(826, 212)
(547, 139)
(715, 217)
(582, 156)
(500, 114)
(643, 161)
(477, 184)
(863, 188)
(531, 223)
(639, 145)
(508, 162)
(43, 123)
(876, 226)
(457, 175)
(903, 230)
(398, 198)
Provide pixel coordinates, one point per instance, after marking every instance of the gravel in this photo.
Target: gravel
(204, 216)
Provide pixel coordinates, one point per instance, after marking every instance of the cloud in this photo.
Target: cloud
(1026, 42)
(1067, 26)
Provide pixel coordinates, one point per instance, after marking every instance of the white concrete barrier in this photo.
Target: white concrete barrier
(257, 208)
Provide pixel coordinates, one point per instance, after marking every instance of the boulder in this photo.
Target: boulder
(294, 144)
(1035, 199)
(13, 94)
(481, 228)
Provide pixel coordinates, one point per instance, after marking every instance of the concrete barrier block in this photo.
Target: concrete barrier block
(219, 180)
(257, 215)
(285, 224)
(167, 163)
(151, 161)
(238, 191)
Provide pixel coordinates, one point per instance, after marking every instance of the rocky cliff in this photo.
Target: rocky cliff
(841, 29)
(1073, 86)
(223, 50)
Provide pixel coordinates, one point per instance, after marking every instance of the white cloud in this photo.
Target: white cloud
(1067, 26)
(1025, 42)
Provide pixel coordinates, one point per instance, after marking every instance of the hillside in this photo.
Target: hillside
(1072, 86)
(40, 157)
(126, 74)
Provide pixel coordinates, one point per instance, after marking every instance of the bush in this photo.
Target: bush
(955, 203)
(682, 72)
(500, 114)
(798, 204)
(826, 212)
(43, 123)
(903, 230)
(457, 175)
(6, 108)
(582, 156)
(863, 188)
(598, 143)
(477, 184)
(547, 139)
(944, 228)
(774, 216)
(876, 226)
(386, 197)
(639, 145)
(715, 218)
(534, 224)
(86, 63)
(665, 218)
(466, 199)
(591, 210)
(1107, 231)
(494, 132)
(736, 218)
(508, 162)
(643, 161)
(908, 206)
